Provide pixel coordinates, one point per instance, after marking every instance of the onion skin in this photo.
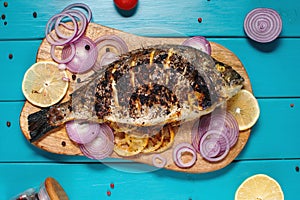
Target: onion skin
(263, 25)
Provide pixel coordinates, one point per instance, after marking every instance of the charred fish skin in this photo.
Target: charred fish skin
(152, 74)
(157, 84)
(145, 87)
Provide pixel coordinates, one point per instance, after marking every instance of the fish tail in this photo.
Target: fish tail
(38, 125)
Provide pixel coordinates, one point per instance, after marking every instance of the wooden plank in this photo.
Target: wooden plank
(167, 18)
(273, 137)
(91, 181)
(257, 59)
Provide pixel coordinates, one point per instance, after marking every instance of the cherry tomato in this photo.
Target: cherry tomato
(126, 4)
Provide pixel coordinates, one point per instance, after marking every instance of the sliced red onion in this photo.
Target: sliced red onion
(107, 41)
(102, 146)
(196, 136)
(63, 66)
(214, 146)
(179, 150)
(158, 161)
(85, 57)
(81, 131)
(223, 121)
(263, 25)
(83, 6)
(198, 42)
(107, 58)
(74, 31)
(66, 58)
(81, 26)
(211, 147)
(52, 24)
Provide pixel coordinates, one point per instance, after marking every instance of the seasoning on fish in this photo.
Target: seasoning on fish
(145, 88)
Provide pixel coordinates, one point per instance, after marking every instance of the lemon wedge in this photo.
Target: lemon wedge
(259, 187)
(245, 109)
(44, 84)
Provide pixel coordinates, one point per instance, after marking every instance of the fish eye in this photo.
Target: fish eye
(220, 68)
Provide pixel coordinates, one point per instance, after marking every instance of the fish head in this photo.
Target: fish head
(232, 78)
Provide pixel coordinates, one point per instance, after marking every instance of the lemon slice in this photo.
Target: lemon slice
(43, 84)
(244, 108)
(259, 187)
(154, 142)
(168, 135)
(128, 144)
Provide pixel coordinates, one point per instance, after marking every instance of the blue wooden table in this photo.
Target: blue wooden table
(274, 68)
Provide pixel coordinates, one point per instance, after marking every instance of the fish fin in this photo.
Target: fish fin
(38, 125)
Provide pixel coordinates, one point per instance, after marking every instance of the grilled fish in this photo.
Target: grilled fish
(144, 89)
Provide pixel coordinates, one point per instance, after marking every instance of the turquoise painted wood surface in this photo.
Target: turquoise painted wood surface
(273, 69)
(220, 18)
(92, 181)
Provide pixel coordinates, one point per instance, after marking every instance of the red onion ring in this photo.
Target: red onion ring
(223, 121)
(81, 131)
(83, 6)
(263, 25)
(209, 150)
(184, 148)
(102, 146)
(211, 147)
(66, 59)
(85, 56)
(198, 42)
(51, 25)
(81, 18)
(196, 136)
(113, 41)
(158, 161)
(81, 26)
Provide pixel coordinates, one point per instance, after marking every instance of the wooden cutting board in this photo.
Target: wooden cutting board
(59, 142)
